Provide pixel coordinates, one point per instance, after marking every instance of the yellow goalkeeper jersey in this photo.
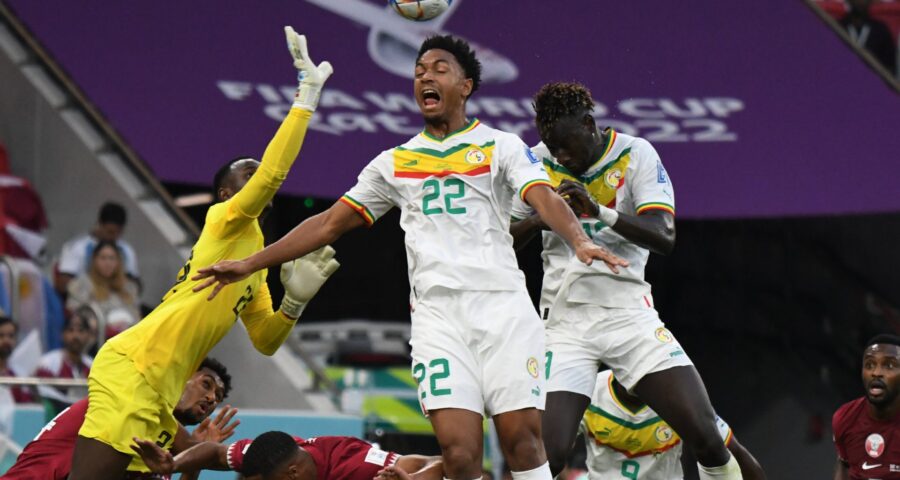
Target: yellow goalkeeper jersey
(168, 345)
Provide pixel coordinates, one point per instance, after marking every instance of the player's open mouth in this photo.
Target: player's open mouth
(430, 97)
(204, 407)
(876, 388)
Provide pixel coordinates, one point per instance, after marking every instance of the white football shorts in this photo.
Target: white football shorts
(478, 350)
(632, 342)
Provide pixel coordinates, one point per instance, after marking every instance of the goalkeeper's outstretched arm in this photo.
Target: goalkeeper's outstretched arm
(285, 145)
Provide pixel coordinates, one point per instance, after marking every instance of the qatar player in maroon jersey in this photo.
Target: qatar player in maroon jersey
(867, 430)
(49, 455)
(279, 456)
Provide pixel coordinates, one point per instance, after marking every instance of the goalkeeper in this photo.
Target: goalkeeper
(138, 376)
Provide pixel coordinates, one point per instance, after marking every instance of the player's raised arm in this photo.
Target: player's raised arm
(285, 145)
(314, 233)
(750, 467)
(558, 216)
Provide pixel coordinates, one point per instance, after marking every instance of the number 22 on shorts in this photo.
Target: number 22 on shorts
(439, 369)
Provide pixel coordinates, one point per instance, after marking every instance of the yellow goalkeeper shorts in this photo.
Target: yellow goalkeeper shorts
(122, 405)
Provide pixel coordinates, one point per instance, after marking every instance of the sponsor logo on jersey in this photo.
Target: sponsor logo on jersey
(475, 156)
(866, 466)
(532, 366)
(376, 456)
(874, 445)
(663, 433)
(661, 176)
(530, 155)
(664, 335)
(894, 468)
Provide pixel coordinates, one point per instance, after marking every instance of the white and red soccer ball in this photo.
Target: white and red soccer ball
(419, 10)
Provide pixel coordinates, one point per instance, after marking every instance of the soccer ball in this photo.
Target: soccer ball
(420, 10)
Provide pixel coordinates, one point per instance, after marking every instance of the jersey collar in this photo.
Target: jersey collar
(610, 140)
(466, 128)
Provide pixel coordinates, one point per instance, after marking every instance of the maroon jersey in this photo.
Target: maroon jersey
(49, 455)
(336, 458)
(870, 447)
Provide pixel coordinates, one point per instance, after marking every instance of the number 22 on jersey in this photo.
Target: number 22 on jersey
(451, 189)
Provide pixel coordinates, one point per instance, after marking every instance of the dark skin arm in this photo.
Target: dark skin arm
(841, 470)
(202, 456)
(523, 231)
(653, 230)
(554, 213)
(750, 468)
(317, 231)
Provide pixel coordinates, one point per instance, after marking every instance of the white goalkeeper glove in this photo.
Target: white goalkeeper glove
(311, 76)
(303, 277)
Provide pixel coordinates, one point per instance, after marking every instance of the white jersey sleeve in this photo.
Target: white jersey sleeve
(521, 167)
(373, 195)
(724, 430)
(651, 188)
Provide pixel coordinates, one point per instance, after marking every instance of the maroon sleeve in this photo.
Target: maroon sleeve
(354, 459)
(236, 453)
(837, 427)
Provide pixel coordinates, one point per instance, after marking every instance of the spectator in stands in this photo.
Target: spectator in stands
(22, 216)
(8, 333)
(106, 287)
(871, 34)
(78, 335)
(76, 253)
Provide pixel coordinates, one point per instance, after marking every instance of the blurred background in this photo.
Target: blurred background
(777, 121)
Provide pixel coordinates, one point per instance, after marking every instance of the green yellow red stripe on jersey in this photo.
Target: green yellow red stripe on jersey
(463, 159)
(525, 188)
(654, 206)
(602, 184)
(358, 208)
(651, 436)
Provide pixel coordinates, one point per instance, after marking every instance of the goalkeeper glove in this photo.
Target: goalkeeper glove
(303, 277)
(311, 76)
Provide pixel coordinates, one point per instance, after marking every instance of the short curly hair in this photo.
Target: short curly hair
(221, 371)
(267, 453)
(559, 100)
(460, 50)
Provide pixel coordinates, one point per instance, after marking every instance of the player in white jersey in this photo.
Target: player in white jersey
(626, 439)
(617, 185)
(477, 343)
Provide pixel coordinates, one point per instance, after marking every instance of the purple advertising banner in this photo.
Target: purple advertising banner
(757, 108)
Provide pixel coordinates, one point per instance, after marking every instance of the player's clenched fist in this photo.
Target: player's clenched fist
(303, 277)
(310, 75)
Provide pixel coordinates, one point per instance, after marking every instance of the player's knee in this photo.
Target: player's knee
(524, 452)
(461, 460)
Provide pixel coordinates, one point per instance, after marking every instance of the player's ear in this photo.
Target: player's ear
(293, 472)
(588, 122)
(224, 193)
(467, 87)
